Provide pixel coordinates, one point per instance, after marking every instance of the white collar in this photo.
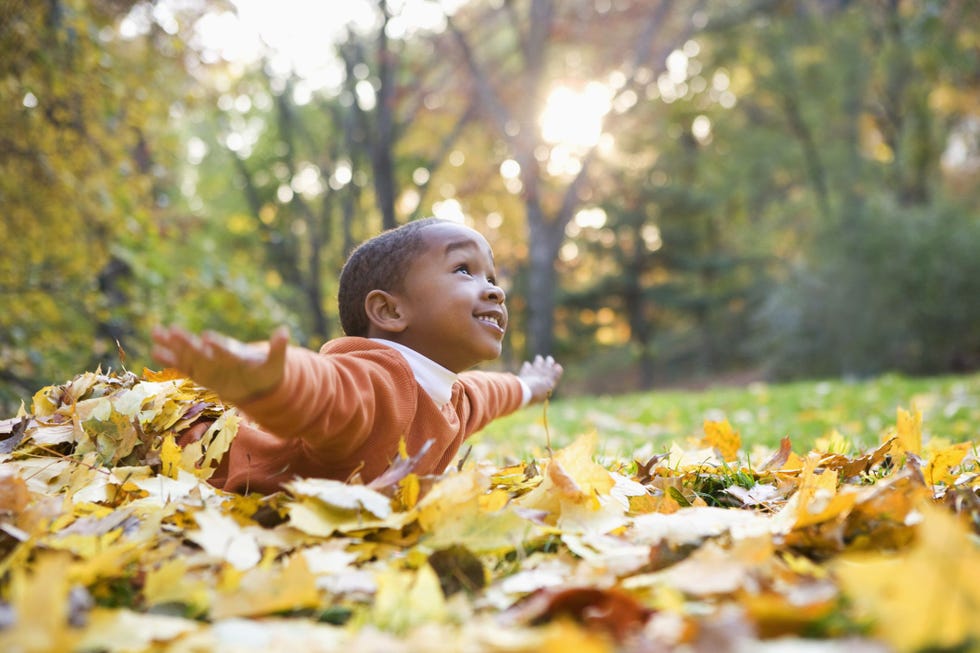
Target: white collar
(435, 379)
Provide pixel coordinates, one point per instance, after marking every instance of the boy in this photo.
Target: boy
(419, 305)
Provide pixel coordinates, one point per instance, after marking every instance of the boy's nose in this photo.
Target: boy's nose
(494, 293)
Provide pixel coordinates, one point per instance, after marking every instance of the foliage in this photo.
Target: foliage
(76, 183)
(884, 231)
(111, 540)
(890, 293)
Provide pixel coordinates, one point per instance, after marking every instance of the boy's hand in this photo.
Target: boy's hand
(235, 370)
(541, 375)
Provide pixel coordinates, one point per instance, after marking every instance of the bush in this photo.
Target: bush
(895, 289)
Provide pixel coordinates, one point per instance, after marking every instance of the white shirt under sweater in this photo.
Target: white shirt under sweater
(435, 379)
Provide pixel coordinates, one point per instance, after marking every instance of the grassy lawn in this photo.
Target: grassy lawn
(641, 424)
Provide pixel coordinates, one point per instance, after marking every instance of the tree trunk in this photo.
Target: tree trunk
(542, 282)
(384, 138)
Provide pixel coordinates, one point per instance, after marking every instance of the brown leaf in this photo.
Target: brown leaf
(611, 610)
(458, 569)
(400, 468)
(12, 433)
(779, 458)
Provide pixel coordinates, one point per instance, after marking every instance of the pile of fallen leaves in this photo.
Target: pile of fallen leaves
(111, 539)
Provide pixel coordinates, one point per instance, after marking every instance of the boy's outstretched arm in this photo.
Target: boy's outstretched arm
(541, 375)
(235, 370)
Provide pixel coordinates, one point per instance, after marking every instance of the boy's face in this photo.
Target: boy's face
(451, 305)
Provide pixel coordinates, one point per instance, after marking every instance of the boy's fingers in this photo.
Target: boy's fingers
(279, 338)
(278, 343)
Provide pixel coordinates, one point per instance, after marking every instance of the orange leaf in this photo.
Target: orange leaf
(722, 437)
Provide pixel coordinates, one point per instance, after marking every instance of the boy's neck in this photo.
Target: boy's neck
(436, 380)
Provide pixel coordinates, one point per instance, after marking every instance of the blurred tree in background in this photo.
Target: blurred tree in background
(671, 189)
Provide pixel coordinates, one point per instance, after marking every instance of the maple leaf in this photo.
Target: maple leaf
(817, 499)
(693, 525)
(342, 496)
(407, 598)
(172, 583)
(783, 458)
(107, 430)
(609, 610)
(38, 598)
(458, 569)
(942, 461)
(201, 458)
(326, 506)
(908, 432)
(926, 597)
(12, 432)
(124, 630)
(458, 511)
(221, 537)
(721, 436)
(571, 476)
(760, 494)
(268, 590)
(712, 569)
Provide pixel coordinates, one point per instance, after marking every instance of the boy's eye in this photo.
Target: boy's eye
(465, 269)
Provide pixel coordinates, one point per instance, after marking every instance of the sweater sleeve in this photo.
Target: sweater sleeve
(329, 402)
(489, 395)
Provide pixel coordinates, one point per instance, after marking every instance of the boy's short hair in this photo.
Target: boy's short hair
(379, 263)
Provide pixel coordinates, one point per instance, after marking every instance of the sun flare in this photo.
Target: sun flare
(572, 117)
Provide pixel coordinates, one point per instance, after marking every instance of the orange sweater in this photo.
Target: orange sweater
(346, 409)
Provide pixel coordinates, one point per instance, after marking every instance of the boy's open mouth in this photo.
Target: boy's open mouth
(494, 318)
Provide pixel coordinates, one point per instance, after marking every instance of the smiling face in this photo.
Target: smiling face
(449, 307)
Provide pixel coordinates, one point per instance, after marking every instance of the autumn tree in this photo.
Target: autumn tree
(878, 124)
(83, 168)
(321, 168)
(515, 55)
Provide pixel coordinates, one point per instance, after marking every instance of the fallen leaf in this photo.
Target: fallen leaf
(723, 438)
(222, 538)
(262, 591)
(925, 597)
(609, 610)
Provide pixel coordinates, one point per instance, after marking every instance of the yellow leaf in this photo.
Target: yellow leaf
(908, 429)
(46, 401)
(445, 498)
(124, 630)
(172, 583)
(938, 469)
(407, 598)
(564, 636)
(39, 602)
(170, 457)
(342, 496)
(833, 442)
(479, 531)
(817, 499)
(267, 591)
(202, 457)
(722, 437)
(458, 511)
(408, 491)
(217, 440)
(571, 476)
(926, 597)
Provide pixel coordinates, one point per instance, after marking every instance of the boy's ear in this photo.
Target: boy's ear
(383, 312)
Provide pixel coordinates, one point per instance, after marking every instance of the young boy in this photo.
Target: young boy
(419, 305)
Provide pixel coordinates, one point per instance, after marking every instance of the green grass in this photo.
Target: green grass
(637, 425)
